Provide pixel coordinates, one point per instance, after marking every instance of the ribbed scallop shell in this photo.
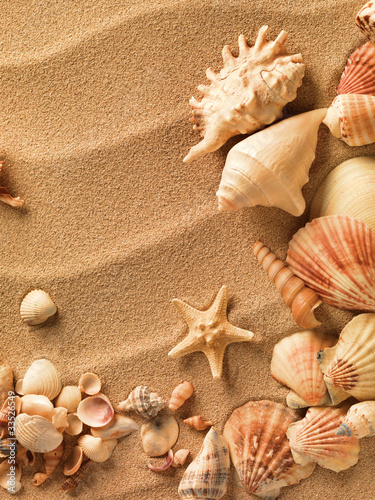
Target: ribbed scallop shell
(359, 421)
(294, 364)
(37, 307)
(269, 168)
(90, 383)
(95, 411)
(259, 449)
(69, 398)
(119, 426)
(180, 394)
(349, 367)
(94, 448)
(159, 434)
(358, 75)
(36, 433)
(349, 189)
(365, 20)
(300, 299)
(314, 439)
(208, 475)
(335, 256)
(41, 378)
(144, 402)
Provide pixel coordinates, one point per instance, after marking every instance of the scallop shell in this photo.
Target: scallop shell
(269, 168)
(118, 427)
(34, 404)
(300, 299)
(259, 449)
(41, 378)
(349, 367)
(358, 76)
(159, 434)
(95, 411)
(74, 462)
(365, 20)
(6, 381)
(197, 422)
(314, 439)
(51, 461)
(144, 402)
(37, 307)
(359, 421)
(69, 398)
(335, 256)
(10, 476)
(248, 93)
(180, 394)
(36, 433)
(208, 475)
(5, 196)
(94, 448)
(180, 457)
(351, 118)
(294, 364)
(349, 189)
(75, 424)
(90, 383)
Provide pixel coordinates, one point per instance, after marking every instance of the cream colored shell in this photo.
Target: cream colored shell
(359, 421)
(69, 397)
(75, 425)
(180, 394)
(6, 381)
(34, 404)
(95, 448)
(6, 476)
(159, 434)
(37, 307)
(74, 461)
(36, 433)
(119, 426)
(41, 378)
(89, 383)
(95, 411)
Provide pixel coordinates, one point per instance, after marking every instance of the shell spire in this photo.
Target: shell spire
(247, 94)
(144, 402)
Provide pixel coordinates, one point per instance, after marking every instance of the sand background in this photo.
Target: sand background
(93, 127)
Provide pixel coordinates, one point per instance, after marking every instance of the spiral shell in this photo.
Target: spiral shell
(36, 433)
(144, 402)
(95, 411)
(180, 457)
(180, 394)
(365, 20)
(159, 434)
(41, 378)
(358, 76)
(197, 422)
(37, 307)
(359, 421)
(73, 481)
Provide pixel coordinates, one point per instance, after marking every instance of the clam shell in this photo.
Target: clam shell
(180, 394)
(36, 433)
(197, 422)
(349, 189)
(41, 378)
(144, 402)
(69, 398)
(208, 475)
(6, 381)
(34, 404)
(37, 307)
(359, 421)
(294, 364)
(10, 476)
(365, 20)
(118, 427)
(75, 424)
(94, 448)
(314, 439)
(180, 457)
(90, 383)
(349, 367)
(74, 462)
(358, 76)
(269, 168)
(159, 434)
(335, 256)
(259, 449)
(95, 411)
(248, 93)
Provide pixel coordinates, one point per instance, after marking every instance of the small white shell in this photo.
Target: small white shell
(89, 383)
(75, 425)
(12, 483)
(37, 307)
(118, 427)
(94, 448)
(36, 404)
(95, 411)
(180, 394)
(36, 433)
(41, 378)
(180, 458)
(69, 397)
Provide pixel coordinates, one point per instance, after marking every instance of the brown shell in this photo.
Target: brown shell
(197, 422)
(365, 20)
(358, 75)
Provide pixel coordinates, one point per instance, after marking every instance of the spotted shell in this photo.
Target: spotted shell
(365, 20)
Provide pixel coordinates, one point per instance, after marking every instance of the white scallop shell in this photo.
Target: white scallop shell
(69, 397)
(94, 448)
(41, 378)
(36, 433)
(37, 307)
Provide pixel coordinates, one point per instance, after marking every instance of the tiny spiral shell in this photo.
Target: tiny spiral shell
(180, 394)
(197, 422)
(297, 296)
(144, 402)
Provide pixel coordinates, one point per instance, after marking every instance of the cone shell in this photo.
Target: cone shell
(197, 422)
(34, 404)
(37, 307)
(300, 299)
(335, 256)
(6, 381)
(314, 439)
(269, 168)
(180, 457)
(358, 76)
(74, 462)
(69, 398)
(144, 402)
(159, 434)
(118, 427)
(41, 378)
(180, 394)
(208, 475)
(248, 93)
(359, 421)
(95, 411)
(36, 433)
(94, 448)
(75, 424)
(90, 383)
(349, 367)
(259, 449)
(11, 483)
(294, 364)
(365, 20)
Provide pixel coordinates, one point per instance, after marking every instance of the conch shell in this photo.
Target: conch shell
(36, 433)
(248, 93)
(41, 378)
(359, 421)
(300, 299)
(159, 434)
(197, 422)
(365, 20)
(5, 195)
(51, 461)
(358, 75)
(269, 168)
(144, 402)
(208, 475)
(180, 394)
(37, 307)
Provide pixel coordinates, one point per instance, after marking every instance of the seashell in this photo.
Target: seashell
(358, 75)
(165, 466)
(349, 367)
(180, 457)
(94, 448)
(89, 383)
(36, 433)
(351, 119)
(355, 178)
(27, 457)
(69, 398)
(95, 411)
(180, 394)
(248, 93)
(118, 427)
(37, 307)
(75, 424)
(6, 381)
(51, 461)
(314, 439)
(11, 408)
(300, 299)
(42, 379)
(34, 404)
(5, 195)
(294, 364)
(159, 434)
(365, 20)
(144, 402)
(7, 446)
(269, 168)
(335, 256)
(74, 462)
(10, 476)
(197, 422)
(359, 421)
(73, 481)
(60, 418)
(208, 475)
(259, 448)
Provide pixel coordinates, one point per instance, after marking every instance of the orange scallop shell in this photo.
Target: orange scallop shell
(365, 20)
(358, 75)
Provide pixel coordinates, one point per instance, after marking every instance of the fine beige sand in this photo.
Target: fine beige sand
(94, 126)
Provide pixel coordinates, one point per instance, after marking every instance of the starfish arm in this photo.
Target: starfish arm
(187, 312)
(215, 356)
(186, 346)
(235, 334)
(219, 307)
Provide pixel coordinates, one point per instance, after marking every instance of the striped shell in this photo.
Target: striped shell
(180, 394)
(36, 433)
(365, 20)
(69, 398)
(359, 421)
(144, 402)
(37, 307)
(358, 75)
(335, 256)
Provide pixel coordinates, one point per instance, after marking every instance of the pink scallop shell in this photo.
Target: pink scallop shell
(359, 74)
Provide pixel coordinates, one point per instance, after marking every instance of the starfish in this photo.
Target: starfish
(209, 331)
